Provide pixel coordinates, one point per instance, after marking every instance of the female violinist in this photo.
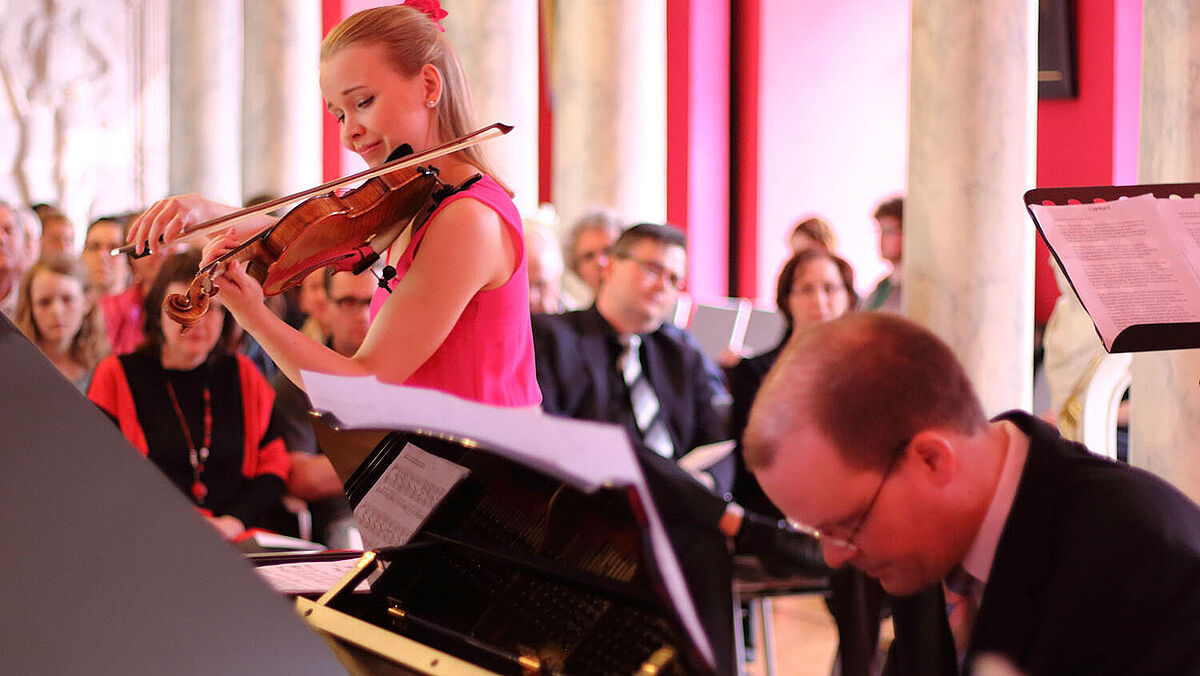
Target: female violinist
(455, 318)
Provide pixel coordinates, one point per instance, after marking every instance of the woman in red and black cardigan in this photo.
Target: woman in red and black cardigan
(204, 416)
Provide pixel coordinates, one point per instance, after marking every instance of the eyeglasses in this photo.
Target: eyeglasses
(848, 543)
(348, 303)
(654, 271)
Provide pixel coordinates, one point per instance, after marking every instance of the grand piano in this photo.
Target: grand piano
(545, 557)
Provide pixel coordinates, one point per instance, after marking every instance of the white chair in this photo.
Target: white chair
(1097, 424)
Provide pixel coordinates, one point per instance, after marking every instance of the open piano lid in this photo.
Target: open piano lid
(550, 548)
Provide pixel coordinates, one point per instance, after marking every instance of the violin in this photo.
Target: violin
(348, 231)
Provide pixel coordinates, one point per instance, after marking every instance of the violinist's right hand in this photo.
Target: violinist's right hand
(166, 219)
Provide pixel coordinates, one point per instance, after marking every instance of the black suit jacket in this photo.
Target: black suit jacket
(1097, 571)
(576, 356)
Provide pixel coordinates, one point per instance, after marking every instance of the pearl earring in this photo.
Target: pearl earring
(430, 103)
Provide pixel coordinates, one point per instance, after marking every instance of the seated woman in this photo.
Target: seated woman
(53, 312)
(814, 286)
(203, 416)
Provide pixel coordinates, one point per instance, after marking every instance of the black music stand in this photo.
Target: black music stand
(107, 569)
(1141, 337)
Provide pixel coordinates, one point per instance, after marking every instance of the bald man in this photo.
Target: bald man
(868, 431)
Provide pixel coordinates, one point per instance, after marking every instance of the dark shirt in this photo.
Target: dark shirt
(291, 407)
(229, 491)
(744, 380)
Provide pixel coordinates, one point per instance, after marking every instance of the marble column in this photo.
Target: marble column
(968, 243)
(281, 97)
(205, 143)
(609, 97)
(1165, 397)
(497, 43)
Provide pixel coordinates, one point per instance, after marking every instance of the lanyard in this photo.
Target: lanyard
(196, 457)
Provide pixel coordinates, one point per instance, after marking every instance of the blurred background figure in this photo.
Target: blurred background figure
(54, 313)
(545, 261)
(814, 286)
(889, 217)
(109, 286)
(15, 226)
(312, 302)
(204, 416)
(313, 478)
(812, 231)
(58, 232)
(586, 252)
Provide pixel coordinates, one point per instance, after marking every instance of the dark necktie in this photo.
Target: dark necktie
(647, 413)
(961, 608)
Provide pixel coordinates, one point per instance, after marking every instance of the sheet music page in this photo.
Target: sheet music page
(1182, 218)
(586, 454)
(404, 496)
(309, 577)
(1126, 267)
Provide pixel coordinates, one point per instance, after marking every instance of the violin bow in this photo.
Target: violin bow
(476, 137)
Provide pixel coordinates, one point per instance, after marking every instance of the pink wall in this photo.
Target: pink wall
(833, 124)
(698, 138)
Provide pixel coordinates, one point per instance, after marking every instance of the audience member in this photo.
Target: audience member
(312, 304)
(545, 268)
(624, 339)
(812, 231)
(14, 232)
(53, 312)
(58, 232)
(814, 286)
(313, 478)
(889, 217)
(203, 416)
(109, 285)
(1059, 560)
(586, 252)
(619, 362)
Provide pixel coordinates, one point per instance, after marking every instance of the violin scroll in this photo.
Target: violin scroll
(187, 308)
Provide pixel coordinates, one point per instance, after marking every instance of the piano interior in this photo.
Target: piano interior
(521, 573)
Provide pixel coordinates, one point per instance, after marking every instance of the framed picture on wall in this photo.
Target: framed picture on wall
(1056, 50)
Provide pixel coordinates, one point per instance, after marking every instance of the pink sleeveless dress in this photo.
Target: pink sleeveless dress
(488, 354)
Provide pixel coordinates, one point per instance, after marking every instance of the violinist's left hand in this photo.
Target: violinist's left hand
(240, 293)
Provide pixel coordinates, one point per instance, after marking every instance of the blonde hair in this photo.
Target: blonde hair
(818, 230)
(411, 39)
(89, 344)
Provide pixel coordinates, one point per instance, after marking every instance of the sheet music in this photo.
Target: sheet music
(404, 496)
(1183, 219)
(1127, 268)
(586, 454)
(309, 577)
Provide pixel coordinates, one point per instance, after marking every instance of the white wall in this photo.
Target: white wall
(833, 126)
